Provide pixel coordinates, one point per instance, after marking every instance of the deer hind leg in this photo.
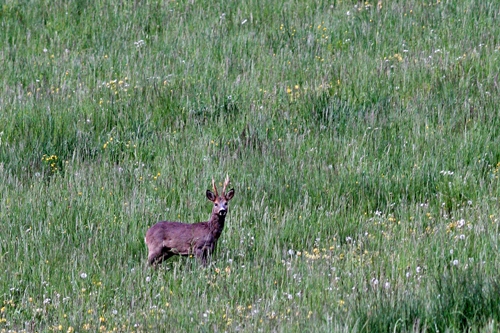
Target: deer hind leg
(156, 257)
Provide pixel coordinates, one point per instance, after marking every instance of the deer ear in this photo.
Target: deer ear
(229, 195)
(211, 196)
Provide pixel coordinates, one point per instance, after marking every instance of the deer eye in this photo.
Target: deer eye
(215, 204)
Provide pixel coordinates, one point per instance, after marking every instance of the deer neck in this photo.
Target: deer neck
(216, 224)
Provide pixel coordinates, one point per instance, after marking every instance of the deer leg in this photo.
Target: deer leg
(157, 257)
(201, 254)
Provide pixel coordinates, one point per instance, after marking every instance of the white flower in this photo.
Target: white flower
(140, 43)
(148, 278)
(455, 262)
(83, 275)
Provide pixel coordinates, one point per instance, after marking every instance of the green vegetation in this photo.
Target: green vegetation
(362, 139)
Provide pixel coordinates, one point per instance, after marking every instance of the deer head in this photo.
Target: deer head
(220, 201)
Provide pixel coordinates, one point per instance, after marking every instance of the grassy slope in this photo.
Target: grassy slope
(362, 142)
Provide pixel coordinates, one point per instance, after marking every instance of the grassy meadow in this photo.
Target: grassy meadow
(362, 139)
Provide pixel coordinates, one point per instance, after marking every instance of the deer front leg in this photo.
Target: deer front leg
(201, 254)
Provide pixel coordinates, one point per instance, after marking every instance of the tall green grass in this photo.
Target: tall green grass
(362, 140)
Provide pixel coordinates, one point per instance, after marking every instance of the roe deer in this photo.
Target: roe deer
(166, 239)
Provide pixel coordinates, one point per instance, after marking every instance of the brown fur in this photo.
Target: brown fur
(166, 239)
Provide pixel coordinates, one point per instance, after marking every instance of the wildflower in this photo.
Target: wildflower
(83, 275)
(455, 262)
